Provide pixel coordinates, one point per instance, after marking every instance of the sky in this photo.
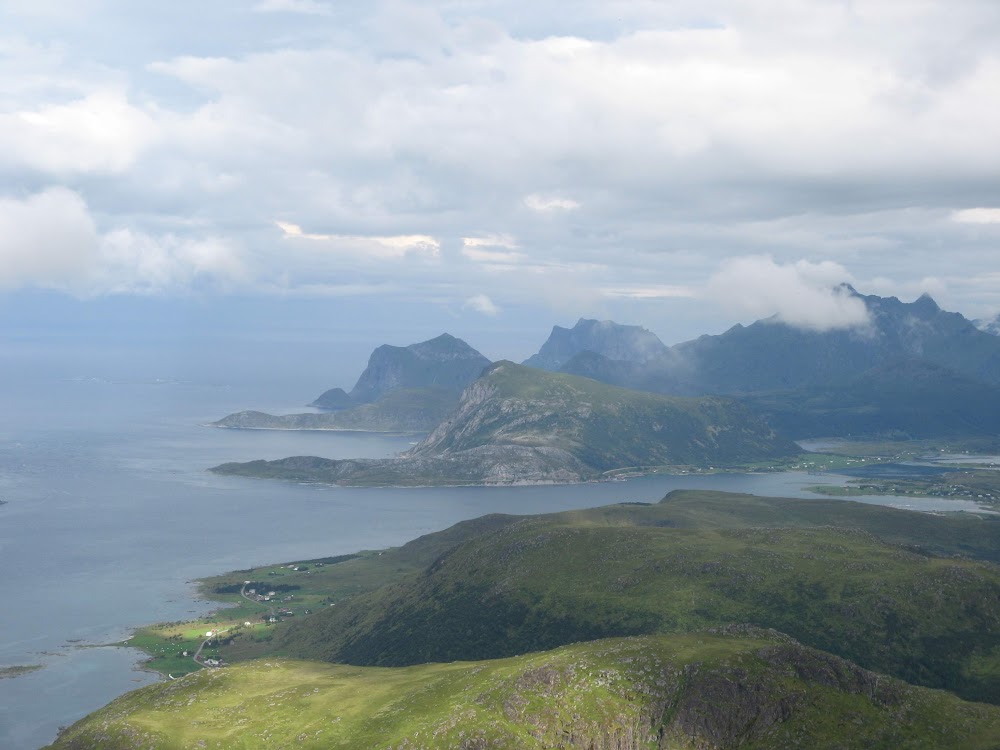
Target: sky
(319, 171)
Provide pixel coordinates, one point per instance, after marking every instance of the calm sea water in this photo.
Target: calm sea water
(110, 514)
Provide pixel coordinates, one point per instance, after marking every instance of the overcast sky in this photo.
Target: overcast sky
(683, 165)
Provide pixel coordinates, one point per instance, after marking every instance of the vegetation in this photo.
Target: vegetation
(413, 410)
(900, 399)
(722, 690)
(18, 670)
(518, 424)
(867, 583)
(980, 486)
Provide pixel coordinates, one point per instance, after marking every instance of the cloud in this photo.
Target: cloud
(546, 204)
(628, 147)
(50, 240)
(977, 216)
(650, 291)
(306, 7)
(370, 247)
(482, 304)
(101, 133)
(802, 294)
(501, 257)
(490, 240)
(498, 250)
(136, 263)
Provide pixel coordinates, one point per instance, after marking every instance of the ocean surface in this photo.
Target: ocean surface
(110, 513)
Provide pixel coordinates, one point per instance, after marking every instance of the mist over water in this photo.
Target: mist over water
(110, 512)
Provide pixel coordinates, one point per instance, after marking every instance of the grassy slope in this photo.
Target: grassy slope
(857, 580)
(686, 692)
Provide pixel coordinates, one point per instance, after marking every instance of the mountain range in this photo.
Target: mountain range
(911, 370)
(770, 355)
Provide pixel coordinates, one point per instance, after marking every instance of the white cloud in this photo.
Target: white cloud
(306, 7)
(977, 216)
(100, 133)
(137, 263)
(670, 135)
(374, 247)
(47, 239)
(482, 304)
(802, 294)
(547, 203)
(650, 291)
(50, 240)
(490, 240)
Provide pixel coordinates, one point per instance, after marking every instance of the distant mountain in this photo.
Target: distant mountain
(519, 424)
(914, 370)
(444, 362)
(604, 337)
(992, 325)
(771, 355)
(904, 399)
(416, 410)
(403, 389)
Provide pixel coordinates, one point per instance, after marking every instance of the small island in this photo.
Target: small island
(19, 670)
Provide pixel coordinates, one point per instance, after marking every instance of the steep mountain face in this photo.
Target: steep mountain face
(604, 337)
(602, 426)
(904, 399)
(444, 362)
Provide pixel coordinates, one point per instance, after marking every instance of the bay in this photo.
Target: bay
(110, 513)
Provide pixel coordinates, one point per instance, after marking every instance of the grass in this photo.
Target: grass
(982, 486)
(877, 585)
(755, 690)
(898, 591)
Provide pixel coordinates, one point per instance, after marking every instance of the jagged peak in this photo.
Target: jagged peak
(926, 302)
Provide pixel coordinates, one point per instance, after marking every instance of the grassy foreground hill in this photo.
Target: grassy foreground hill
(755, 690)
(518, 424)
(878, 586)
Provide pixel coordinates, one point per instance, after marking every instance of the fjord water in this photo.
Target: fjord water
(110, 514)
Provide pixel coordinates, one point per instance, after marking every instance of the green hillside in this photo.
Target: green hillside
(876, 585)
(604, 426)
(752, 691)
